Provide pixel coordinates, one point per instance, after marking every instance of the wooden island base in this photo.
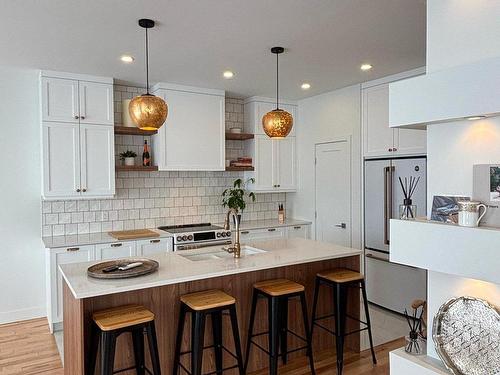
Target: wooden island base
(164, 302)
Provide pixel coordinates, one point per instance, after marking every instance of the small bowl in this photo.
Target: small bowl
(235, 130)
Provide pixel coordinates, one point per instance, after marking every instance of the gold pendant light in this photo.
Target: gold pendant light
(147, 111)
(278, 123)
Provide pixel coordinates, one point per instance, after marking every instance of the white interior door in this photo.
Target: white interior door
(333, 192)
(96, 103)
(98, 160)
(61, 160)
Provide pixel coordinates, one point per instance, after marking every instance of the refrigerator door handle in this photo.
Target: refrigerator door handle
(371, 256)
(386, 175)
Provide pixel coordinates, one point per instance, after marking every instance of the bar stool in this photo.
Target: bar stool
(200, 304)
(111, 323)
(340, 280)
(278, 292)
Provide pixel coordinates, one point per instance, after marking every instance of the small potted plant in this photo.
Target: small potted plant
(128, 157)
(235, 197)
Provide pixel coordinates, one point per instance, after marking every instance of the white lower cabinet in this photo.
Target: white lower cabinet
(115, 250)
(298, 231)
(56, 257)
(153, 246)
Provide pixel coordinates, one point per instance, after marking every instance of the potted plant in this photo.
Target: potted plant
(128, 157)
(235, 197)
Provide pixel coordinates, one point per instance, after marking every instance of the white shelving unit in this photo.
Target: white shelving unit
(404, 363)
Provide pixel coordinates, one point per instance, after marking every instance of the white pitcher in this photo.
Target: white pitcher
(468, 213)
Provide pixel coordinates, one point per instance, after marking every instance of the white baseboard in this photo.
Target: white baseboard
(22, 314)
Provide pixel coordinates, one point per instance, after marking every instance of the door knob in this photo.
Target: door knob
(341, 225)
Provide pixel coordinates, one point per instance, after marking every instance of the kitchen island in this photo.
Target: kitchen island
(195, 270)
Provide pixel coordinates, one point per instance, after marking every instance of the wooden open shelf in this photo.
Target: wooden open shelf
(238, 136)
(136, 168)
(127, 130)
(239, 169)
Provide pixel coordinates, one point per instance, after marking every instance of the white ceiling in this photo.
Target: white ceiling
(195, 40)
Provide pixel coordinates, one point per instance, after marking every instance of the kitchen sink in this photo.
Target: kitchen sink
(222, 254)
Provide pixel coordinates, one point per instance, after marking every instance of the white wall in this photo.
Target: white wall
(322, 118)
(461, 32)
(22, 291)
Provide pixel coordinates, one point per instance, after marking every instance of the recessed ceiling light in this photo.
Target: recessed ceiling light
(228, 74)
(366, 67)
(473, 118)
(127, 59)
(305, 86)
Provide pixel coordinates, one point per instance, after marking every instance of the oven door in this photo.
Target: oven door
(199, 245)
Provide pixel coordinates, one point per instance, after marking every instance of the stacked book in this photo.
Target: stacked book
(241, 162)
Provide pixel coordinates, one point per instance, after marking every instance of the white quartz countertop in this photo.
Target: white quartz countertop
(268, 223)
(91, 239)
(175, 268)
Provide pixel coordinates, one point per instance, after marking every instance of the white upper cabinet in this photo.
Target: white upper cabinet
(193, 136)
(60, 100)
(97, 160)
(61, 159)
(96, 103)
(78, 136)
(274, 163)
(378, 138)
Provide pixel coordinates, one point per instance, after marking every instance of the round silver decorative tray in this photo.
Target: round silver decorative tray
(98, 270)
(466, 334)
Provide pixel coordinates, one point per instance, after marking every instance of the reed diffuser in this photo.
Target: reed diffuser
(415, 341)
(408, 210)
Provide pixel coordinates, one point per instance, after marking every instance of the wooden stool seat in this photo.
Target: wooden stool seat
(208, 299)
(341, 275)
(122, 317)
(279, 287)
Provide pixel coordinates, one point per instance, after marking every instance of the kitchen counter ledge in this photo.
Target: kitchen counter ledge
(175, 268)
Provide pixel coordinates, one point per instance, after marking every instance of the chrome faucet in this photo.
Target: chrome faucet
(236, 248)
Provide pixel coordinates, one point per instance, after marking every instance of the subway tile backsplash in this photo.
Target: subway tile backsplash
(151, 199)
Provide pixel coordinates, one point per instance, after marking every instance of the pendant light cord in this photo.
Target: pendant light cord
(277, 81)
(147, 63)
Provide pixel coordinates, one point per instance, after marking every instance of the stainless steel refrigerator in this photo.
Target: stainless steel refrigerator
(390, 285)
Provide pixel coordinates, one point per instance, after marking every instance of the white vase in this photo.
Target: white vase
(129, 161)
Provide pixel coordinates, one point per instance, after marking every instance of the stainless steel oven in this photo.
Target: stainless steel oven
(195, 236)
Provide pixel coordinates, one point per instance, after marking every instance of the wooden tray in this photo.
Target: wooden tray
(132, 234)
(148, 266)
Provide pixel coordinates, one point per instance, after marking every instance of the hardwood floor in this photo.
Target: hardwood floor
(28, 348)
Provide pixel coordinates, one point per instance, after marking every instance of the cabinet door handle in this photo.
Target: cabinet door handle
(116, 244)
(84, 190)
(72, 249)
(154, 241)
(390, 150)
(244, 232)
(77, 117)
(78, 190)
(297, 227)
(82, 117)
(394, 149)
(271, 230)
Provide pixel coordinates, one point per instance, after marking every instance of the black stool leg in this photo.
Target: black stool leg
(236, 337)
(217, 339)
(198, 338)
(255, 297)
(315, 303)
(108, 344)
(340, 318)
(273, 335)
(94, 346)
(153, 347)
(138, 343)
(283, 327)
(367, 313)
(308, 333)
(178, 341)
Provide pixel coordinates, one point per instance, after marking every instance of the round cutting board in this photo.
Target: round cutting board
(148, 266)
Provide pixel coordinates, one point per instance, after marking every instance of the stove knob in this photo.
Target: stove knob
(190, 237)
(179, 238)
(223, 234)
(184, 238)
(228, 234)
(218, 234)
